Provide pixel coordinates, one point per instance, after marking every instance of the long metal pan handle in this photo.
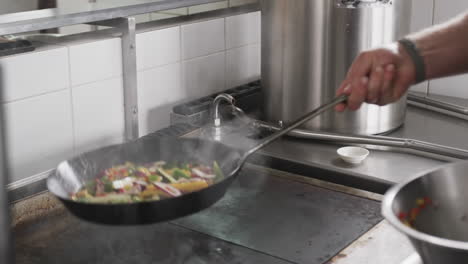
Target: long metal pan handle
(318, 111)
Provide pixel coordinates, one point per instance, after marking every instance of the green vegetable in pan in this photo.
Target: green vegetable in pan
(129, 183)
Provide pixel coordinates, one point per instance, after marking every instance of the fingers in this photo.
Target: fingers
(386, 88)
(361, 66)
(378, 89)
(344, 89)
(358, 94)
(371, 79)
(375, 84)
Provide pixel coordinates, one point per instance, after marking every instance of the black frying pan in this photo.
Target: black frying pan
(72, 174)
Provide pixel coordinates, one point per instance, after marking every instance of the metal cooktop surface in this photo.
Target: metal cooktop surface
(264, 218)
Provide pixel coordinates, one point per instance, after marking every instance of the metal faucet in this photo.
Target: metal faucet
(217, 102)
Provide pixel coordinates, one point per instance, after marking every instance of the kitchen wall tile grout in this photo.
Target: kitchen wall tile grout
(72, 112)
(225, 53)
(98, 80)
(38, 50)
(182, 67)
(157, 66)
(34, 96)
(204, 56)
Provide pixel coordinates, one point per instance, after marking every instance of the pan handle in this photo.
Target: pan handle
(314, 113)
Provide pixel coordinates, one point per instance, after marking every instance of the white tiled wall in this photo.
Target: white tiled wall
(427, 13)
(203, 38)
(456, 86)
(159, 89)
(95, 61)
(67, 98)
(240, 33)
(157, 48)
(242, 64)
(204, 75)
(98, 114)
(39, 132)
(46, 71)
(422, 16)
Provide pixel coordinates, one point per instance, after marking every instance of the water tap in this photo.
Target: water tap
(217, 102)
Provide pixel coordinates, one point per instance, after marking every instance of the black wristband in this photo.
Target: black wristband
(416, 57)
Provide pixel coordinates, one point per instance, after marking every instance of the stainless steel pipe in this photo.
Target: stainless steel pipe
(437, 105)
(307, 47)
(376, 140)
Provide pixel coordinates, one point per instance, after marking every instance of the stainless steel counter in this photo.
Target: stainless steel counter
(385, 165)
(391, 165)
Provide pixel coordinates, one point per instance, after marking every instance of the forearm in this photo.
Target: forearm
(444, 48)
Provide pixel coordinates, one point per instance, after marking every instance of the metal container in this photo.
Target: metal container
(440, 231)
(307, 47)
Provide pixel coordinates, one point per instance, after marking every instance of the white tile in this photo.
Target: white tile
(204, 76)
(421, 14)
(159, 89)
(95, 61)
(456, 86)
(156, 48)
(242, 30)
(161, 15)
(202, 38)
(242, 65)
(241, 2)
(207, 7)
(39, 133)
(34, 73)
(178, 11)
(142, 18)
(75, 29)
(98, 114)
(445, 10)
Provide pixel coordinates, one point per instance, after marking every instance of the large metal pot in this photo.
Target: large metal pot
(440, 232)
(307, 47)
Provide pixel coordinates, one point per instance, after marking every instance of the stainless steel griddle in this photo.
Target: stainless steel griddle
(266, 217)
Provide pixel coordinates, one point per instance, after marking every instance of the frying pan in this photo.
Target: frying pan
(71, 175)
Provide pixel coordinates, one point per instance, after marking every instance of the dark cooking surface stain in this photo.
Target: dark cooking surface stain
(262, 219)
(72, 241)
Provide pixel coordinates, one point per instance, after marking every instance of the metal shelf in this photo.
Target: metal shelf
(59, 17)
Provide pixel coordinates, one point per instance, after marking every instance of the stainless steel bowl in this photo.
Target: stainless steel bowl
(440, 232)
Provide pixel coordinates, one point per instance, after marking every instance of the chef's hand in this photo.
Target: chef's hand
(379, 76)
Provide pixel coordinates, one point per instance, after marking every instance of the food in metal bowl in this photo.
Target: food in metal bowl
(409, 217)
(431, 209)
(129, 183)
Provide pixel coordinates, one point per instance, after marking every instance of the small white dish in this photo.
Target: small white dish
(353, 155)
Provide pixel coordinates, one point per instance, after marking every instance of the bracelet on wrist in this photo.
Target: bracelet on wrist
(416, 58)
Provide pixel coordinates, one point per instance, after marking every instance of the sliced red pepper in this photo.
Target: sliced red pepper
(414, 213)
(402, 216)
(427, 200)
